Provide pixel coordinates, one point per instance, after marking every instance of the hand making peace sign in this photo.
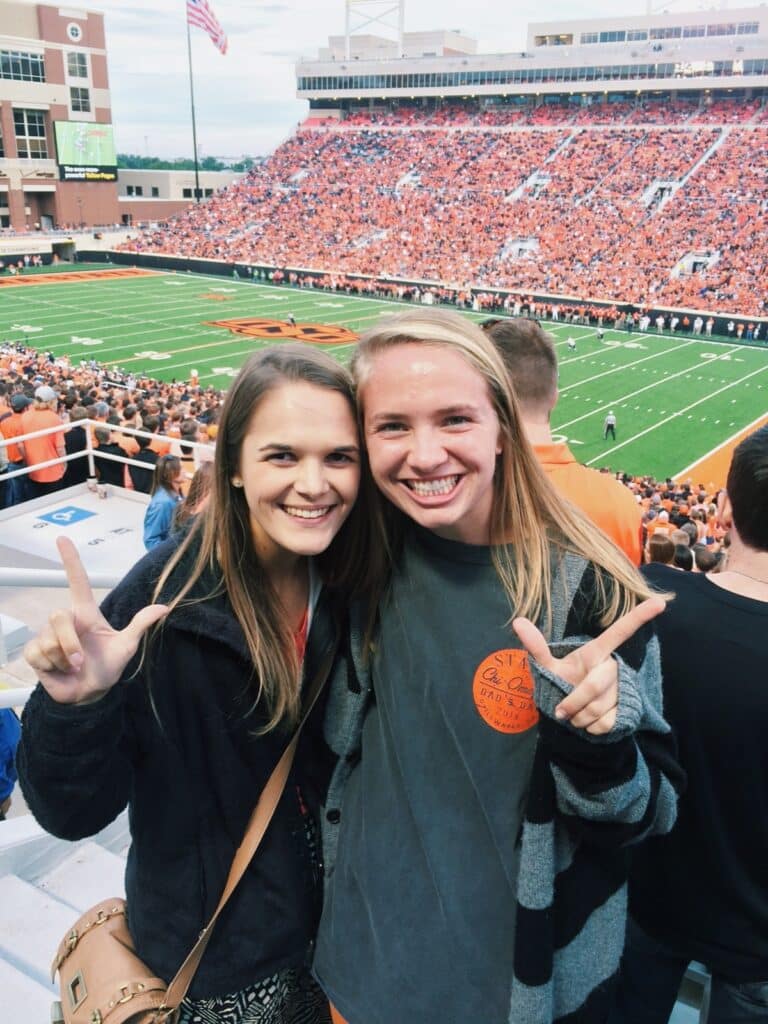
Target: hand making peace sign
(590, 669)
(78, 656)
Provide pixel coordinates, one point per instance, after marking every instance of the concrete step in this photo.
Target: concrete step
(33, 926)
(13, 635)
(24, 1001)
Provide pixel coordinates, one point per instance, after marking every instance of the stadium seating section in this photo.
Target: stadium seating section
(658, 204)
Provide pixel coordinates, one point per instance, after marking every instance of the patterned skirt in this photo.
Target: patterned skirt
(288, 997)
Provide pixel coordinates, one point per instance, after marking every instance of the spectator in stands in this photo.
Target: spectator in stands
(142, 478)
(38, 450)
(108, 471)
(166, 496)
(16, 490)
(530, 357)
(187, 727)
(661, 550)
(683, 557)
(700, 892)
(9, 740)
(706, 560)
(76, 440)
(197, 497)
(5, 414)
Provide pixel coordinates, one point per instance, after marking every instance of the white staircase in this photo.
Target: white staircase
(45, 885)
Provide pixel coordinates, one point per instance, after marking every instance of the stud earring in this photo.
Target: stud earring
(236, 481)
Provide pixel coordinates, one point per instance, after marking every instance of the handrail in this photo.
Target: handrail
(89, 451)
(52, 578)
(16, 697)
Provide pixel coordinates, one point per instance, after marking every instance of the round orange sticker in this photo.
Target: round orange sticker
(503, 691)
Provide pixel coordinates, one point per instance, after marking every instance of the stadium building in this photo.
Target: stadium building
(57, 157)
(695, 57)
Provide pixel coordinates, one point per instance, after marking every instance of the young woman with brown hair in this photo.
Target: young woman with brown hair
(185, 726)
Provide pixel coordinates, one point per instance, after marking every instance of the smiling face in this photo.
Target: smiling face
(299, 468)
(432, 437)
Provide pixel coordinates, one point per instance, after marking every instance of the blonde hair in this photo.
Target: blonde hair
(222, 533)
(528, 514)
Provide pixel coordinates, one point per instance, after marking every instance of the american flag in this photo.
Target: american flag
(200, 14)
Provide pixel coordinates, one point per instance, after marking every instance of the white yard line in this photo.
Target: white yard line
(719, 447)
(623, 366)
(609, 451)
(632, 394)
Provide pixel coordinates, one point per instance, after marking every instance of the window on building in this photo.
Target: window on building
(208, 192)
(186, 193)
(5, 220)
(721, 30)
(77, 65)
(29, 128)
(613, 37)
(694, 31)
(129, 190)
(668, 32)
(139, 190)
(79, 99)
(155, 192)
(2, 150)
(589, 37)
(748, 28)
(22, 67)
(637, 35)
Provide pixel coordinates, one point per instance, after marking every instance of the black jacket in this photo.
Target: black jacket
(76, 472)
(190, 782)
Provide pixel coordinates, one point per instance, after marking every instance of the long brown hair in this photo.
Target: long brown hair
(222, 536)
(528, 513)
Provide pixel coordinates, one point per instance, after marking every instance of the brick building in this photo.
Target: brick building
(54, 91)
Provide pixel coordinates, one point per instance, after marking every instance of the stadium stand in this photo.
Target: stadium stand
(653, 204)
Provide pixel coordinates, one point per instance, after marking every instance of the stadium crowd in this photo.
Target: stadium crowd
(667, 213)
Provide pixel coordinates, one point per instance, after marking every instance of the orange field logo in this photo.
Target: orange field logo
(316, 334)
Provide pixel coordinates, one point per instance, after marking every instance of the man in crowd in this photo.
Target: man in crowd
(700, 893)
(12, 425)
(531, 360)
(109, 471)
(38, 450)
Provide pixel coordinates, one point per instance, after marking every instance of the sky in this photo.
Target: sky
(246, 101)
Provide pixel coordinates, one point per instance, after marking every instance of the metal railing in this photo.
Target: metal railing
(90, 450)
(56, 578)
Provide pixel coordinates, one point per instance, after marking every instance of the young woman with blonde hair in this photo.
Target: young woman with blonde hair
(185, 726)
(497, 722)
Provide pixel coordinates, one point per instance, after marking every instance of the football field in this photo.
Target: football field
(676, 398)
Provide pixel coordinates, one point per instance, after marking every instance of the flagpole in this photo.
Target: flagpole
(192, 104)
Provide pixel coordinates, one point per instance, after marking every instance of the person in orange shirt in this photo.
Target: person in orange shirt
(530, 357)
(37, 450)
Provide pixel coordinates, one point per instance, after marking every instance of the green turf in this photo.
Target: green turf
(675, 398)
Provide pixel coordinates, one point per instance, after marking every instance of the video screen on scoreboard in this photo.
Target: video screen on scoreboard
(86, 151)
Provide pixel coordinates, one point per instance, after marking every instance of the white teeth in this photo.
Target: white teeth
(430, 487)
(306, 513)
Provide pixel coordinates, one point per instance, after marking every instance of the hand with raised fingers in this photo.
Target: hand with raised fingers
(590, 669)
(78, 656)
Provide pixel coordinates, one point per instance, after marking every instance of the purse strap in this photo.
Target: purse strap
(254, 833)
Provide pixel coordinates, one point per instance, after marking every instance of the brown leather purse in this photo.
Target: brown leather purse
(102, 980)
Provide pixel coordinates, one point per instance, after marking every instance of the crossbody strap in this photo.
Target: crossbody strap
(254, 833)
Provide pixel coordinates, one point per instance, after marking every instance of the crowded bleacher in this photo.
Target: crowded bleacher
(649, 203)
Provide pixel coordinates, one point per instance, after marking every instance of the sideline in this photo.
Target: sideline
(713, 467)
